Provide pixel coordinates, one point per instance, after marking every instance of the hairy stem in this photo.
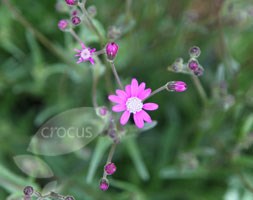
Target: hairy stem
(91, 24)
(155, 92)
(200, 89)
(73, 33)
(116, 75)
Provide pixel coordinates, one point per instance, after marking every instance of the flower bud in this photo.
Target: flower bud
(63, 24)
(92, 10)
(193, 64)
(28, 190)
(199, 71)
(111, 50)
(76, 20)
(194, 52)
(71, 2)
(104, 184)
(110, 168)
(176, 86)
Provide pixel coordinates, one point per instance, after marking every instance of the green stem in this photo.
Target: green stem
(73, 33)
(116, 75)
(91, 24)
(200, 89)
(109, 158)
(155, 92)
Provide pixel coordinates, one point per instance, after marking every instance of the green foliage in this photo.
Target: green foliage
(198, 150)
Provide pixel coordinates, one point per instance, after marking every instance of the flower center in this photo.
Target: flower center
(85, 54)
(134, 105)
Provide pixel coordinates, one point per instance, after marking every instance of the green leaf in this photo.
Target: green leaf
(103, 144)
(135, 155)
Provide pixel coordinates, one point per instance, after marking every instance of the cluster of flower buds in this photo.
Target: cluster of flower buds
(109, 169)
(192, 66)
(75, 18)
(193, 63)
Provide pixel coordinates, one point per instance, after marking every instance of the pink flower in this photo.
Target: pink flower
(130, 101)
(85, 54)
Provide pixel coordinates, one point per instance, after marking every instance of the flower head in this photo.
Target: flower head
(130, 101)
(85, 54)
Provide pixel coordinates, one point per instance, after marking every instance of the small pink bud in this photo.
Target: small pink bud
(69, 198)
(103, 111)
(193, 65)
(111, 50)
(63, 24)
(110, 168)
(176, 86)
(76, 20)
(104, 184)
(71, 2)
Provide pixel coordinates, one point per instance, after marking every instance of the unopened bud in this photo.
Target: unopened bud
(176, 86)
(111, 50)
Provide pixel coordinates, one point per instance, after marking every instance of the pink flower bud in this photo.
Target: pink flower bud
(71, 2)
(176, 86)
(104, 184)
(111, 50)
(110, 168)
(75, 20)
(63, 24)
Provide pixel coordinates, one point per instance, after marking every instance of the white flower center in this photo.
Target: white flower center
(134, 105)
(85, 54)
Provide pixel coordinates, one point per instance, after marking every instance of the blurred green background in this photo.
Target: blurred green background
(200, 149)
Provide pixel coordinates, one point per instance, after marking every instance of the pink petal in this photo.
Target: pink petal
(144, 94)
(134, 87)
(116, 99)
(138, 120)
(119, 108)
(150, 106)
(128, 90)
(92, 61)
(83, 46)
(146, 116)
(124, 117)
(121, 93)
(77, 50)
(141, 87)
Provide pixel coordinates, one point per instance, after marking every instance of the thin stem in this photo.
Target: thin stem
(85, 13)
(155, 92)
(73, 33)
(94, 90)
(109, 158)
(200, 89)
(116, 75)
